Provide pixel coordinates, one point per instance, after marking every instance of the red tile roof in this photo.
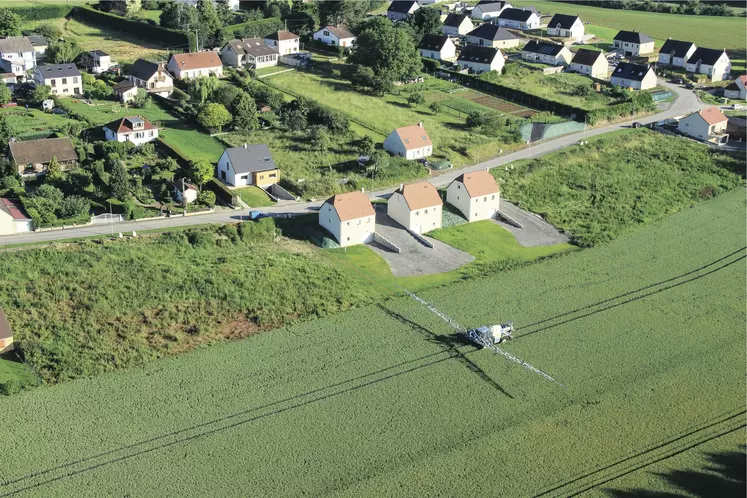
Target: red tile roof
(712, 115)
(14, 208)
(479, 183)
(414, 136)
(420, 195)
(351, 206)
(198, 60)
(123, 125)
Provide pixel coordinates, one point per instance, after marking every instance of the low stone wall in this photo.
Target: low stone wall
(509, 220)
(421, 239)
(380, 239)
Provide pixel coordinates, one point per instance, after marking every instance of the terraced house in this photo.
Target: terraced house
(554, 54)
(63, 79)
(490, 35)
(439, 47)
(676, 53)
(633, 43)
(249, 52)
(565, 26)
(196, 65)
(713, 63)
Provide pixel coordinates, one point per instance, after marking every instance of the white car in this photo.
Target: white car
(737, 107)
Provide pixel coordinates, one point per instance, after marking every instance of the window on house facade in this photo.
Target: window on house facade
(151, 133)
(348, 223)
(64, 81)
(325, 33)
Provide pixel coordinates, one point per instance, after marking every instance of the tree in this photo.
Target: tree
(119, 182)
(141, 99)
(225, 13)
(40, 93)
(426, 21)
(54, 170)
(201, 171)
(435, 107)
(10, 23)
(367, 145)
(5, 94)
(416, 99)
(100, 90)
(178, 15)
(208, 23)
(74, 206)
(245, 116)
(5, 134)
(380, 161)
(50, 32)
(214, 116)
(206, 198)
(294, 114)
(201, 88)
(319, 138)
(272, 10)
(62, 51)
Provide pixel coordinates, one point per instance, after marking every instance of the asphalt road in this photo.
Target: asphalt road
(687, 102)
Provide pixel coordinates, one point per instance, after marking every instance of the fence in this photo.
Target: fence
(107, 218)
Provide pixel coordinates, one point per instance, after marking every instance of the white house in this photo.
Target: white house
(251, 52)
(591, 63)
(675, 52)
(416, 206)
(95, 61)
(737, 89)
(39, 43)
(284, 42)
(554, 54)
(714, 63)
(488, 10)
(410, 142)
(490, 35)
(152, 77)
(456, 25)
(248, 165)
(481, 59)
(125, 90)
(476, 195)
(708, 125)
(17, 55)
(350, 218)
(135, 129)
(64, 79)
(13, 219)
(635, 76)
(518, 19)
(565, 26)
(335, 35)
(400, 10)
(633, 43)
(195, 65)
(184, 192)
(439, 47)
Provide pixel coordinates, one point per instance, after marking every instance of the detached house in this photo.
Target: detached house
(125, 91)
(64, 79)
(400, 10)
(481, 59)
(335, 35)
(737, 89)
(490, 35)
(487, 10)
(708, 125)
(417, 207)
(518, 19)
(675, 52)
(251, 52)
(633, 43)
(635, 76)
(439, 47)
(17, 55)
(714, 63)
(39, 43)
(13, 219)
(476, 195)
(590, 62)
(350, 218)
(554, 54)
(410, 142)
(248, 165)
(195, 65)
(456, 25)
(152, 77)
(283, 42)
(135, 129)
(33, 156)
(95, 61)
(565, 26)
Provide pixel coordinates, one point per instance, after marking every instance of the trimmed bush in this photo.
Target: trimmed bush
(40, 12)
(169, 37)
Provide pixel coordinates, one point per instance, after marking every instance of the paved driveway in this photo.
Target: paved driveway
(415, 258)
(535, 232)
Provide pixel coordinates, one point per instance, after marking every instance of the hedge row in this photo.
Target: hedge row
(40, 12)
(255, 28)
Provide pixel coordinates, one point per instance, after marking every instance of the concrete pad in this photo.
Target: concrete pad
(535, 231)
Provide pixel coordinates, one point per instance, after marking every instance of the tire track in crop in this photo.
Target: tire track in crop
(634, 295)
(713, 429)
(218, 425)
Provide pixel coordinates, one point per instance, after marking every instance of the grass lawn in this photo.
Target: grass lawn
(154, 15)
(254, 196)
(33, 121)
(12, 368)
(264, 71)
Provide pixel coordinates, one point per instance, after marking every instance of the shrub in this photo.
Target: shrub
(206, 198)
(257, 231)
(169, 37)
(200, 238)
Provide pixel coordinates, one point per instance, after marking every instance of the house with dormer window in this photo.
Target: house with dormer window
(135, 129)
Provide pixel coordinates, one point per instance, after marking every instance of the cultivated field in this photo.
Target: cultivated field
(646, 333)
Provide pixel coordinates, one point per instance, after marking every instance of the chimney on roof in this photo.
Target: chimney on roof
(420, 124)
(401, 186)
(245, 145)
(363, 191)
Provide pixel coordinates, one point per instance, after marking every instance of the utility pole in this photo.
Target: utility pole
(111, 218)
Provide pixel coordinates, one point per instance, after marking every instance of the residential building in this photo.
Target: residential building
(63, 79)
(39, 43)
(711, 62)
(476, 195)
(487, 10)
(284, 42)
(250, 52)
(13, 219)
(590, 62)
(737, 89)
(153, 77)
(518, 19)
(490, 35)
(416, 206)
(6, 334)
(248, 165)
(708, 125)
(456, 25)
(675, 52)
(196, 65)
(635, 76)
(565, 26)
(481, 59)
(184, 192)
(410, 142)
(335, 35)
(633, 43)
(400, 10)
(17, 55)
(9, 79)
(135, 129)
(555, 54)
(95, 61)
(439, 47)
(33, 156)
(125, 91)
(350, 218)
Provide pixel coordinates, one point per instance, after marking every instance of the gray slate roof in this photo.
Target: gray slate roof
(59, 70)
(480, 55)
(633, 37)
(253, 46)
(38, 41)
(251, 158)
(492, 32)
(628, 71)
(564, 20)
(143, 69)
(433, 42)
(676, 47)
(521, 15)
(401, 6)
(586, 57)
(455, 20)
(486, 7)
(707, 56)
(15, 44)
(543, 48)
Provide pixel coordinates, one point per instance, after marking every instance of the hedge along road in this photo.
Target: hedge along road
(686, 102)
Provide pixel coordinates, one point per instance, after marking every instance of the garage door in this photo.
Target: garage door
(23, 226)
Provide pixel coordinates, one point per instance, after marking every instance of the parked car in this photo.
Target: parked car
(637, 124)
(10, 104)
(737, 107)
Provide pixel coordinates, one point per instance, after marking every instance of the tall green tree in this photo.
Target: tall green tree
(208, 23)
(119, 182)
(426, 21)
(39, 93)
(5, 134)
(5, 94)
(54, 170)
(10, 23)
(201, 171)
(214, 116)
(245, 116)
(178, 15)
